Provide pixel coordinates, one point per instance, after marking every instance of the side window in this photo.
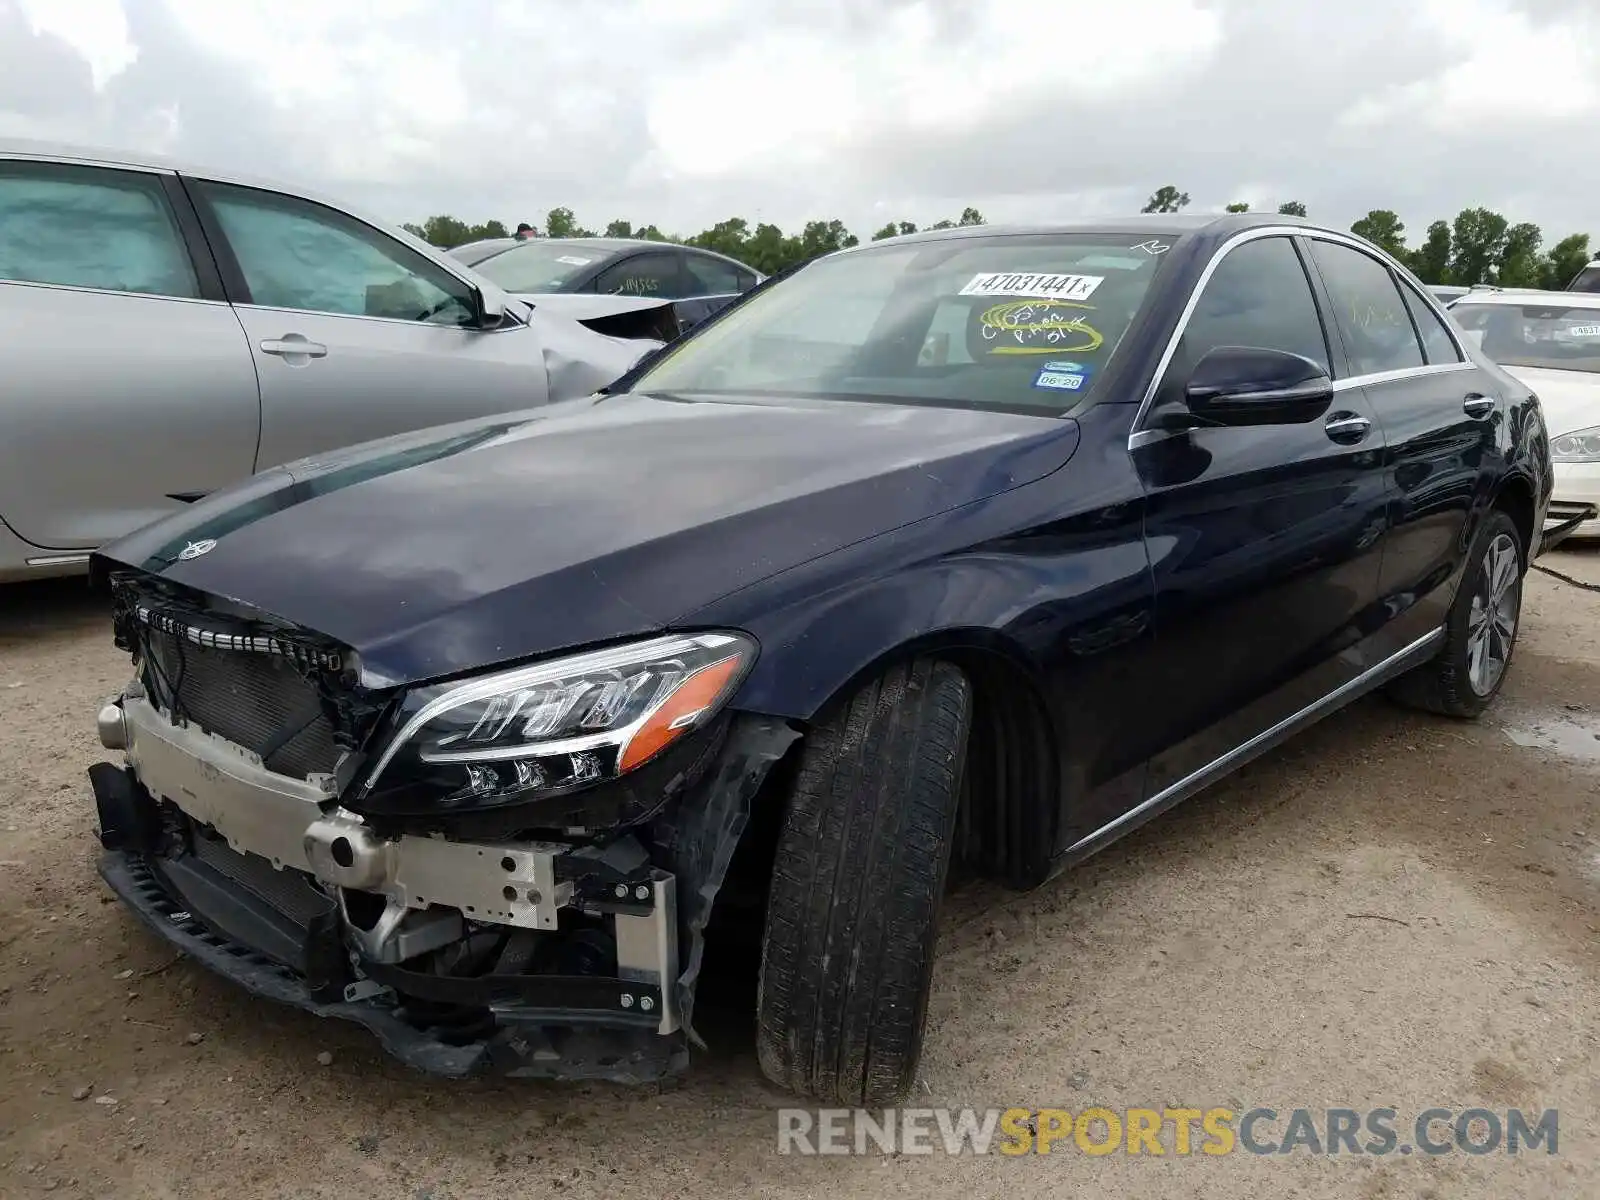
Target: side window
(746, 280)
(296, 254)
(709, 276)
(1587, 280)
(91, 228)
(1366, 302)
(1437, 343)
(1258, 296)
(641, 275)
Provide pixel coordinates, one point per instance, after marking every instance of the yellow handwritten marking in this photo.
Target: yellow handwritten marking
(1022, 318)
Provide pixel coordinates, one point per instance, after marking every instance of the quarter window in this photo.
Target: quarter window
(641, 275)
(1437, 343)
(1372, 317)
(300, 255)
(91, 228)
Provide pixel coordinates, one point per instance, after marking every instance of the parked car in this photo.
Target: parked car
(473, 253)
(983, 544)
(1588, 279)
(168, 331)
(699, 282)
(1551, 341)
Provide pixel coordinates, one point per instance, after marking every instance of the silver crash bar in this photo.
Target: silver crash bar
(298, 825)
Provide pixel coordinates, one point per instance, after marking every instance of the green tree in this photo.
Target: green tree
(971, 216)
(560, 223)
(1479, 237)
(651, 234)
(1430, 262)
(725, 237)
(1566, 258)
(1384, 229)
(1167, 199)
(619, 229)
(1237, 206)
(1292, 208)
(895, 229)
(1520, 263)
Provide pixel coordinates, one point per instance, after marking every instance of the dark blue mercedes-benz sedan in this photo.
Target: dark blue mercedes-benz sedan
(979, 546)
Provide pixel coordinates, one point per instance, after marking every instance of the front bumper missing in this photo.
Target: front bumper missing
(1564, 519)
(631, 1027)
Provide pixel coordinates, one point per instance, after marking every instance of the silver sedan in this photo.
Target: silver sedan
(168, 331)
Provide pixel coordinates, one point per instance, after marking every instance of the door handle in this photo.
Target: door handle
(292, 344)
(1478, 405)
(1346, 427)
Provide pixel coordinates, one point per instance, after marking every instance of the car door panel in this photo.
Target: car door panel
(1265, 542)
(1440, 442)
(129, 385)
(353, 335)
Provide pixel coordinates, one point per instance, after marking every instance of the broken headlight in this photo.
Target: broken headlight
(555, 726)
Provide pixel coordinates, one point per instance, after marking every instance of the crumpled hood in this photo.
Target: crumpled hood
(508, 537)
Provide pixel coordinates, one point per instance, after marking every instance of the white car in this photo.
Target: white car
(1550, 341)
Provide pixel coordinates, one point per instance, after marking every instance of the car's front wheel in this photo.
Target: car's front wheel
(1481, 631)
(847, 955)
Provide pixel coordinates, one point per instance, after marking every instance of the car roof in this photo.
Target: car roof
(1138, 224)
(1519, 296)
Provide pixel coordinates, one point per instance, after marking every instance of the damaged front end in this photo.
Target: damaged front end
(509, 873)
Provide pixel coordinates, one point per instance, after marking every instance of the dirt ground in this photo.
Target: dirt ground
(1394, 910)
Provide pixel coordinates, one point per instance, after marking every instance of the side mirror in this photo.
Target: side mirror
(491, 310)
(1246, 385)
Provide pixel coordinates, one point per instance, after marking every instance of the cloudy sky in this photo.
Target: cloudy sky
(683, 112)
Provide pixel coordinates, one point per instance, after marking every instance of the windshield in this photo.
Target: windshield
(1011, 322)
(1534, 335)
(540, 266)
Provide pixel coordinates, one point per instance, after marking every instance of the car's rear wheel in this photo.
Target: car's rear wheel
(1481, 632)
(847, 953)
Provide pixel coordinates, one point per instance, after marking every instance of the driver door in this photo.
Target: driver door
(355, 335)
(1265, 541)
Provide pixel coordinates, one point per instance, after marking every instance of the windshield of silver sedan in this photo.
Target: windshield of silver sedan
(1548, 333)
(1014, 322)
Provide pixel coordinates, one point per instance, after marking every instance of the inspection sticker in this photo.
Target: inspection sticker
(572, 260)
(1062, 376)
(1024, 283)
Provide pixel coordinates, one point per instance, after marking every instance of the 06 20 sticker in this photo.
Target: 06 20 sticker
(1062, 376)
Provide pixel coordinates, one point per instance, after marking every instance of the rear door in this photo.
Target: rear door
(128, 388)
(1440, 415)
(355, 335)
(1265, 542)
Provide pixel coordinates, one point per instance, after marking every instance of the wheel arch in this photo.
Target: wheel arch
(1514, 497)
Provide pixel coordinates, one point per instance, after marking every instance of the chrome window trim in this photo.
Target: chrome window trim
(1342, 384)
(406, 321)
(94, 291)
(62, 160)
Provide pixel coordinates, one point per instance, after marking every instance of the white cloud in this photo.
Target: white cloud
(97, 29)
(687, 112)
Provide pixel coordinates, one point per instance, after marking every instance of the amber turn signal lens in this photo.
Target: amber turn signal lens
(679, 712)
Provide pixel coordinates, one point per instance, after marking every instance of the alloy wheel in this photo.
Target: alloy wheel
(1492, 622)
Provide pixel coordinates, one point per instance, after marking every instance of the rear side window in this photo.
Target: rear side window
(1372, 316)
(1437, 343)
(89, 227)
(1588, 280)
(641, 275)
(710, 276)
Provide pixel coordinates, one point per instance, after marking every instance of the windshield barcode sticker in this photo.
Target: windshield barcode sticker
(1023, 283)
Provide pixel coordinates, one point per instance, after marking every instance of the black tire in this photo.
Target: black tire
(847, 953)
(1447, 684)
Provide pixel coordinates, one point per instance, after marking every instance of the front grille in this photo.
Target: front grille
(262, 701)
